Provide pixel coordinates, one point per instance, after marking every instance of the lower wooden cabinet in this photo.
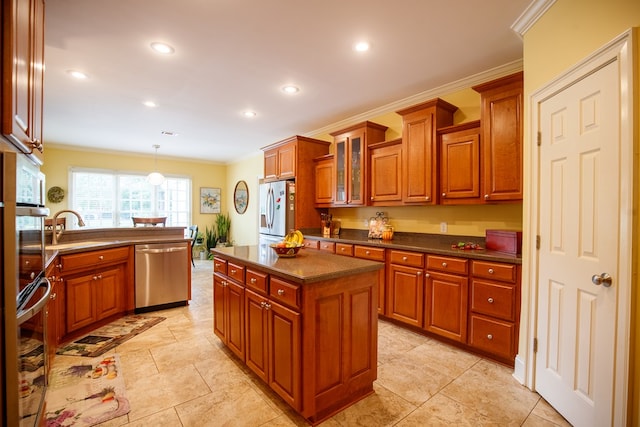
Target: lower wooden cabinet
(228, 313)
(405, 287)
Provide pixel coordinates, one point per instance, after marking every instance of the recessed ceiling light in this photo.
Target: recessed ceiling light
(150, 104)
(290, 89)
(77, 74)
(249, 113)
(162, 47)
(362, 46)
(168, 133)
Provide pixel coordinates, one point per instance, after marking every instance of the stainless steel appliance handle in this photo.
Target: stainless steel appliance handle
(270, 208)
(161, 250)
(28, 313)
(32, 211)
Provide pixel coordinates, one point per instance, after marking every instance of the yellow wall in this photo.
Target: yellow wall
(58, 161)
(568, 32)
(244, 227)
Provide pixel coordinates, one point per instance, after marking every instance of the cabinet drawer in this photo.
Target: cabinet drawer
(94, 258)
(493, 299)
(328, 246)
(257, 281)
(220, 265)
(344, 249)
(285, 292)
(493, 336)
(494, 270)
(448, 264)
(367, 252)
(411, 259)
(313, 244)
(235, 271)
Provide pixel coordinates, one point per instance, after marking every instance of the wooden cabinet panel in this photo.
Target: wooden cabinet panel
(285, 292)
(228, 313)
(89, 259)
(287, 161)
(219, 309)
(219, 265)
(344, 249)
(460, 164)
(411, 259)
(405, 294)
(257, 280)
(385, 173)
(23, 75)
(350, 162)
(235, 272)
(327, 246)
(285, 353)
(109, 293)
(502, 124)
(447, 264)
(446, 305)
(312, 244)
(271, 165)
(493, 299)
(368, 252)
(256, 334)
(493, 336)
(325, 181)
(494, 271)
(80, 307)
(420, 150)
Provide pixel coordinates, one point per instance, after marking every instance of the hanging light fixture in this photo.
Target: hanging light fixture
(155, 177)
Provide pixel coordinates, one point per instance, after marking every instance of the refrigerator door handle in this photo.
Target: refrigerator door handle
(270, 208)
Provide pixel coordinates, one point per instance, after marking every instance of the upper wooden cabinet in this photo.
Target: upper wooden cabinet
(325, 184)
(350, 162)
(292, 159)
(23, 74)
(501, 117)
(385, 166)
(420, 150)
(460, 164)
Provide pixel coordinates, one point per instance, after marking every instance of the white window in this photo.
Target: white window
(106, 198)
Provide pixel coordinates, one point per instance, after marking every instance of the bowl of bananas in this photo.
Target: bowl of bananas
(290, 245)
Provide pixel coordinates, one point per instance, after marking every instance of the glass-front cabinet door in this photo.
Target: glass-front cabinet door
(341, 171)
(356, 190)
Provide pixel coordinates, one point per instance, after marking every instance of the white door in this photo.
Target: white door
(579, 229)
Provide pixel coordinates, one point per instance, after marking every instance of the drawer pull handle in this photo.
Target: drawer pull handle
(263, 303)
(404, 258)
(267, 306)
(444, 264)
(418, 273)
(342, 249)
(280, 292)
(233, 271)
(426, 275)
(427, 198)
(490, 300)
(101, 257)
(368, 252)
(253, 280)
(53, 296)
(489, 337)
(444, 194)
(217, 266)
(490, 271)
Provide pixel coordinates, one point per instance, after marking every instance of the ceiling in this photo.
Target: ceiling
(236, 55)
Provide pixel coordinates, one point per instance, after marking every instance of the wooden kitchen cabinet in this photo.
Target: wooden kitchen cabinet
(350, 162)
(228, 313)
(385, 173)
(375, 254)
(446, 297)
(405, 287)
(460, 164)
(55, 311)
(292, 159)
(420, 150)
(495, 309)
(325, 181)
(501, 115)
(23, 74)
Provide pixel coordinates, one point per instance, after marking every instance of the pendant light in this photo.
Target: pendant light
(155, 177)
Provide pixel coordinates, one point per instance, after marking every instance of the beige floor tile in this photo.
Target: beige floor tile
(137, 365)
(489, 388)
(182, 353)
(383, 408)
(446, 359)
(158, 335)
(546, 411)
(443, 411)
(157, 392)
(166, 418)
(393, 341)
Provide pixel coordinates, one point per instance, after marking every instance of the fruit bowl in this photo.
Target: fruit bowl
(285, 252)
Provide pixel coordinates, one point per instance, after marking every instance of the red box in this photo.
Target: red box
(504, 241)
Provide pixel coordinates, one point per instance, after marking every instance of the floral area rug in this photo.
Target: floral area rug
(103, 339)
(87, 393)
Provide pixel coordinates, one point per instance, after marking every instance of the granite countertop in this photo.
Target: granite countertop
(420, 242)
(308, 266)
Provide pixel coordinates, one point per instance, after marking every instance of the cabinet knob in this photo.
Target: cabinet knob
(444, 194)
(280, 292)
(263, 303)
(59, 266)
(490, 300)
(444, 264)
(404, 258)
(489, 336)
(486, 196)
(419, 273)
(53, 296)
(490, 271)
(427, 275)
(342, 249)
(101, 257)
(217, 265)
(372, 198)
(253, 280)
(233, 271)
(428, 198)
(27, 263)
(267, 306)
(368, 252)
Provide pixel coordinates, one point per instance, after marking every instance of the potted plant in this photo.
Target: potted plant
(210, 240)
(199, 238)
(223, 224)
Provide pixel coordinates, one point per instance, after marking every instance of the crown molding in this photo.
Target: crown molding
(530, 16)
(465, 83)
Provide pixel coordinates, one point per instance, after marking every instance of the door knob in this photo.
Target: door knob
(601, 279)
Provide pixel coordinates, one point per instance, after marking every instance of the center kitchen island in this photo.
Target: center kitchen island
(307, 325)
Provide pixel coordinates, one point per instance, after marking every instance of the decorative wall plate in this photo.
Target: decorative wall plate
(55, 194)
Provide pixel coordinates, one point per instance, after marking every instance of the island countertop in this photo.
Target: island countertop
(308, 266)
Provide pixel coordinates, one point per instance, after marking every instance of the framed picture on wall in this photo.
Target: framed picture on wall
(209, 200)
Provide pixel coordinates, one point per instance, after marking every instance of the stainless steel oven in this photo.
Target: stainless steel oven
(26, 290)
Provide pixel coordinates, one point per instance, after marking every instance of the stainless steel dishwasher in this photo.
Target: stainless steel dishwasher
(162, 276)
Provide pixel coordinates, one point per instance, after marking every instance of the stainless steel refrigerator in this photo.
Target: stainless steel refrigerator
(277, 209)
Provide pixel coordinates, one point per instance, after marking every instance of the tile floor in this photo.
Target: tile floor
(178, 373)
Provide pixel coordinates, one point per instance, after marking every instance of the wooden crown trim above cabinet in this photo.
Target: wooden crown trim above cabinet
(358, 126)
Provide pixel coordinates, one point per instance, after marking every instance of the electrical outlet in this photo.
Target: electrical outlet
(443, 227)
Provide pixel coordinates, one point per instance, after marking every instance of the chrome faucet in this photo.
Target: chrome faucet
(56, 234)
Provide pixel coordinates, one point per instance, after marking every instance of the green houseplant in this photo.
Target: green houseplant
(210, 240)
(222, 225)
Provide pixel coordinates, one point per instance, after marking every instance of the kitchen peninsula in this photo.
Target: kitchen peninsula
(307, 326)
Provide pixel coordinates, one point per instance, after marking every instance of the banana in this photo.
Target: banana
(300, 237)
